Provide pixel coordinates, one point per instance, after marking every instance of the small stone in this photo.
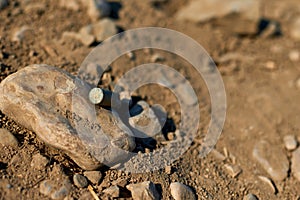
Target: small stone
(145, 122)
(112, 191)
(131, 55)
(145, 190)
(272, 158)
(97, 9)
(269, 182)
(46, 187)
(61, 193)
(104, 29)
(7, 138)
(296, 164)
(217, 155)
(80, 181)
(250, 197)
(39, 162)
(3, 4)
(93, 176)
(85, 39)
(171, 136)
(19, 35)
(270, 65)
(295, 29)
(233, 170)
(294, 55)
(290, 142)
(180, 191)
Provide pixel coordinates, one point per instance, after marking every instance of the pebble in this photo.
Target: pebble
(269, 182)
(85, 39)
(233, 170)
(3, 4)
(270, 65)
(27, 93)
(19, 35)
(250, 197)
(93, 176)
(80, 181)
(145, 190)
(180, 191)
(7, 138)
(97, 9)
(157, 58)
(39, 162)
(295, 162)
(112, 191)
(295, 29)
(61, 193)
(217, 155)
(46, 187)
(104, 29)
(290, 142)
(272, 159)
(294, 55)
(168, 170)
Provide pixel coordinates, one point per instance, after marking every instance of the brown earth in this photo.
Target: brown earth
(262, 103)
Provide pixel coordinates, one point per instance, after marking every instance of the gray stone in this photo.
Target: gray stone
(56, 107)
(296, 164)
(104, 29)
(39, 162)
(97, 9)
(80, 181)
(247, 12)
(93, 176)
(180, 191)
(46, 187)
(145, 190)
(61, 193)
(290, 142)
(3, 4)
(85, 39)
(295, 29)
(250, 197)
(144, 120)
(272, 159)
(112, 191)
(6, 138)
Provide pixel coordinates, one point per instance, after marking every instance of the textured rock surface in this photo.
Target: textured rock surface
(145, 190)
(180, 191)
(55, 106)
(272, 159)
(296, 164)
(93, 176)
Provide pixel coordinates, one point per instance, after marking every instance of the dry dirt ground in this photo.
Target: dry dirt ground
(263, 103)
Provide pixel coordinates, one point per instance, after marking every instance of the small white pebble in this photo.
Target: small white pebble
(290, 142)
(294, 55)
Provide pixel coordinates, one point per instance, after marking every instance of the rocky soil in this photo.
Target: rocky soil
(256, 47)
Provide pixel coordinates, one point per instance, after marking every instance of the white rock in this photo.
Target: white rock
(145, 190)
(233, 170)
(250, 197)
(19, 35)
(290, 142)
(6, 138)
(296, 164)
(272, 158)
(180, 191)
